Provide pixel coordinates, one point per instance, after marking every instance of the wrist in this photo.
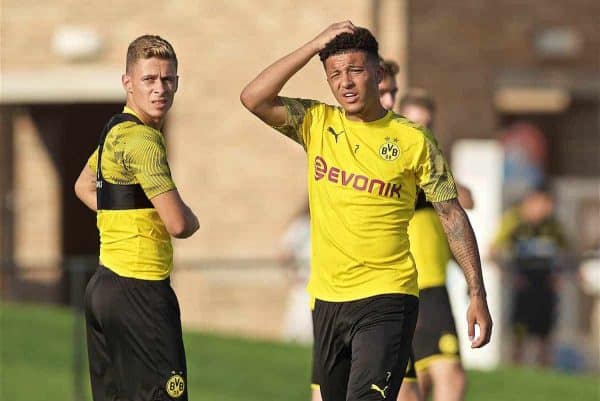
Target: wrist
(313, 47)
(478, 292)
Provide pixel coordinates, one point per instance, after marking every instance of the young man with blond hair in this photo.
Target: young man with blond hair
(437, 357)
(133, 324)
(388, 90)
(365, 164)
(388, 87)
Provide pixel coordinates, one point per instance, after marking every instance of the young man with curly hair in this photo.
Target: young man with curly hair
(364, 166)
(135, 345)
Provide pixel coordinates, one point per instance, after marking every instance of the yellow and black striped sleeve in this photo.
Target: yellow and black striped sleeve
(146, 158)
(432, 172)
(298, 119)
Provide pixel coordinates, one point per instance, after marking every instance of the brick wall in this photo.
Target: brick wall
(243, 179)
(461, 50)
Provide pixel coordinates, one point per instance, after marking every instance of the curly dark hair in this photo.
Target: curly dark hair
(360, 40)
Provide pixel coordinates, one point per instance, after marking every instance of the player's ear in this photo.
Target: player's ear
(379, 73)
(176, 83)
(126, 82)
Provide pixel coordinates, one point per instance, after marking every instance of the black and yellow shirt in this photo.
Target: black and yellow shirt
(530, 246)
(362, 180)
(134, 242)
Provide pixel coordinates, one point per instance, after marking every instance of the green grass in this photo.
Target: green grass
(36, 357)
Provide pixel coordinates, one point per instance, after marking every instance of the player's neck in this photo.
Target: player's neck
(145, 118)
(370, 114)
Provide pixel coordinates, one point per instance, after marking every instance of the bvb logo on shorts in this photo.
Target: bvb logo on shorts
(448, 344)
(389, 150)
(175, 385)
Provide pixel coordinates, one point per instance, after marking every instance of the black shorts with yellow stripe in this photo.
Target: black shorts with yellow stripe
(435, 335)
(134, 339)
(361, 348)
(411, 372)
(409, 376)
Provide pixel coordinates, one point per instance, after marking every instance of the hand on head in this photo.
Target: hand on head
(331, 32)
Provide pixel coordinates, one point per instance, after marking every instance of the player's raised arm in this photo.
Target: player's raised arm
(261, 95)
(463, 245)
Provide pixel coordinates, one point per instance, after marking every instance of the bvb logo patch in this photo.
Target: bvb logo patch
(389, 150)
(175, 385)
(448, 344)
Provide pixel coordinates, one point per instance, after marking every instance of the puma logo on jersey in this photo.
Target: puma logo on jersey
(335, 134)
(357, 181)
(379, 390)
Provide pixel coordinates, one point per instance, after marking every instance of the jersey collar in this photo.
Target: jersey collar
(129, 110)
(375, 123)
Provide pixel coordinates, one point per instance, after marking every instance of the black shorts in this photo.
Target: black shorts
(135, 346)
(361, 348)
(435, 335)
(411, 373)
(534, 307)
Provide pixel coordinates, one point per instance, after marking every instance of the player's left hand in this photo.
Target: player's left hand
(479, 314)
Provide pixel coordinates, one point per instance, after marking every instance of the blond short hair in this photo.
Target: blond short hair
(417, 97)
(148, 46)
(390, 68)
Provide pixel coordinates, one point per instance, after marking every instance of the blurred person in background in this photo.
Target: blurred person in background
(589, 275)
(388, 90)
(525, 150)
(363, 280)
(295, 255)
(437, 358)
(388, 87)
(298, 325)
(530, 245)
(135, 344)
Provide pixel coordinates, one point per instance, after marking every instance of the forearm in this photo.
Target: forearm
(85, 188)
(192, 223)
(462, 242)
(260, 96)
(265, 88)
(88, 199)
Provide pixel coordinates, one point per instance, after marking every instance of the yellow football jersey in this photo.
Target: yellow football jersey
(362, 180)
(429, 247)
(135, 242)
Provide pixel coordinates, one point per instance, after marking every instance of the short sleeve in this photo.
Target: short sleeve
(299, 118)
(559, 232)
(432, 172)
(146, 158)
(93, 161)
(508, 224)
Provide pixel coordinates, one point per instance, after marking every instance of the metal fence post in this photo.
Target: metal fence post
(77, 267)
